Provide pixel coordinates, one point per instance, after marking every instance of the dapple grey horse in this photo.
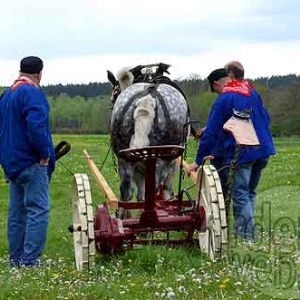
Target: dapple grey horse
(146, 114)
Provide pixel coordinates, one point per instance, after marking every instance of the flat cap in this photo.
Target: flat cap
(215, 76)
(31, 65)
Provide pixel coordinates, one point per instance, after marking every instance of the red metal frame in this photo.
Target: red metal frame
(157, 214)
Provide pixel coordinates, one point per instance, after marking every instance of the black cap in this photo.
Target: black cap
(31, 65)
(215, 76)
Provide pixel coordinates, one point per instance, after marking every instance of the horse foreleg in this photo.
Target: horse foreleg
(126, 186)
(139, 180)
(168, 182)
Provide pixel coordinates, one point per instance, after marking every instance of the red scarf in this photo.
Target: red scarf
(237, 87)
(248, 84)
(21, 81)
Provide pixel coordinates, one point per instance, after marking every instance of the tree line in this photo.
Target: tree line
(86, 108)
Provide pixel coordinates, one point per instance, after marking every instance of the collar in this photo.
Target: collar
(237, 87)
(248, 84)
(21, 81)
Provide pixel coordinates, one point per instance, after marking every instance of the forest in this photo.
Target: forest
(86, 108)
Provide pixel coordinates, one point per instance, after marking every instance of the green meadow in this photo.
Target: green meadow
(267, 269)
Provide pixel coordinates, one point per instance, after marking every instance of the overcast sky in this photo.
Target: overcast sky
(80, 39)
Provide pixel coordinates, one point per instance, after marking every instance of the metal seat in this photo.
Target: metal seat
(152, 152)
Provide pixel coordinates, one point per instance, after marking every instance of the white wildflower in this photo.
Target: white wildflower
(180, 278)
(170, 295)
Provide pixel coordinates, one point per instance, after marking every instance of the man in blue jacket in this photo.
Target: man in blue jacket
(234, 95)
(27, 158)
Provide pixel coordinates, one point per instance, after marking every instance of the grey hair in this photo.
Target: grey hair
(31, 76)
(224, 80)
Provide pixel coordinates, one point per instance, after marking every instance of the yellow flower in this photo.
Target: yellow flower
(222, 286)
(55, 275)
(226, 280)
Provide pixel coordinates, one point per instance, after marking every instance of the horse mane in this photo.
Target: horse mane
(125, 78)
(143, 116)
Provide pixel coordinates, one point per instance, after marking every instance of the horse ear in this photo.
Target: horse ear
(112, 79)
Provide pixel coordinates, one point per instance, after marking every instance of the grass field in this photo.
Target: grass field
(268, 269)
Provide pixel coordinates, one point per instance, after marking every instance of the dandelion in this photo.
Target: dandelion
(181, 289)
(222, 286)
(170, 295)
(191, 271)
(226, 280)
(14, 270)
(197, 280)
(180, 278)
(18, 277)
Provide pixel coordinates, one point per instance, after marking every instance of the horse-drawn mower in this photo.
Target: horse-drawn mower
(150, 109)
(201, 220)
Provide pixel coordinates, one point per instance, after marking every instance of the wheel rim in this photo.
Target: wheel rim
(214, 240)
(83, 223)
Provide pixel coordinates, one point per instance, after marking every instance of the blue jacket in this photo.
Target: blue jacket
(217, 142)
(25, 136)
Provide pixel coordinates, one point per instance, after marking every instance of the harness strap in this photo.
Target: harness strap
(155, 93)
(152, 89)
(130, 102)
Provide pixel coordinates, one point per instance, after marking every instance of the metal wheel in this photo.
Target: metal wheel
(83, 223)
(214, 240)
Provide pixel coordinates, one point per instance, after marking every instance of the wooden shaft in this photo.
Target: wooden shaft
(109, 195)
(191, 175)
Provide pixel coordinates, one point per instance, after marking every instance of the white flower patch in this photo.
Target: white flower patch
(170, 295)
(180, 278)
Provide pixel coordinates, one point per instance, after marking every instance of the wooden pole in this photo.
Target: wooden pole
(108, 193)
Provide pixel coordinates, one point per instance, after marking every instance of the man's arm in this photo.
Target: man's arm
(214, 127)
(36, 110)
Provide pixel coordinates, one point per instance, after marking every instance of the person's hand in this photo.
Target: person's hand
(199, 134)
(44, 162)
(193, 167)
